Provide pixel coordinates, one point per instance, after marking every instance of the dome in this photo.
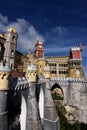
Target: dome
(1, 35)
(11, 30)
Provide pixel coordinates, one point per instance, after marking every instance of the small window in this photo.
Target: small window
(12, 52)
(13, 38)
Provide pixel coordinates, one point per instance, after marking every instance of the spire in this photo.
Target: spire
(81, 46)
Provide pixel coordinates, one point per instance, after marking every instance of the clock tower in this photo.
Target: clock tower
(39, 52)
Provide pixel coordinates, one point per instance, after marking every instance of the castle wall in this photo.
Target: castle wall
(75, 96)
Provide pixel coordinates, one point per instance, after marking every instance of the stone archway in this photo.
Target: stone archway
(57, 94)
(23, 113)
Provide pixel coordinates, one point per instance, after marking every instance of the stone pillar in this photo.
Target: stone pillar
(51, 120)
(33, 121)
(4, 83)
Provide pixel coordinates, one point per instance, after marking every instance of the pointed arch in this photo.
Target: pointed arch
(57, 93)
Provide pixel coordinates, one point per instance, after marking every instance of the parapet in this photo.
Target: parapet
(68, 79)
(32, 67)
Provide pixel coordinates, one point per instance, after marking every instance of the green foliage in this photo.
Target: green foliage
(56, 96)
(65, 125)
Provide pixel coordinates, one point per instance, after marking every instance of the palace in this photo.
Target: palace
(59, 66)
(34, 78)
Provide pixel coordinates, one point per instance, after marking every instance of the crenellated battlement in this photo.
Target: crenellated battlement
(19, 83)
(5, 67)
(31, 72)
(69, 79)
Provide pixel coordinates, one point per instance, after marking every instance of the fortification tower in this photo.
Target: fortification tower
(4, 83)
(51, 119)
(75, 62)
(10, 46)
(31, 72)
(39, 51)
(33, 118)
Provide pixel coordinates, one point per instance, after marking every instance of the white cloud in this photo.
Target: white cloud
(27, 34)
(3, 19)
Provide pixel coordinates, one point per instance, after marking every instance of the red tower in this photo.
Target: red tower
(75, 52)
(39, 52)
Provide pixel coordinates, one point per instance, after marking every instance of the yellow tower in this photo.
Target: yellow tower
(41, 63)
(46, 72)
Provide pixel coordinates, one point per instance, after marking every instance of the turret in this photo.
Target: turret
(75, 62)
(10, 46)
(39, 51)
(31, 72)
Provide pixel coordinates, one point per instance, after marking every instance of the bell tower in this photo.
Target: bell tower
(10, 46)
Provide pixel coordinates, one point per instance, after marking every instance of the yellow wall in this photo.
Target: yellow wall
(31, 75)
(40, 66)
(4, 80)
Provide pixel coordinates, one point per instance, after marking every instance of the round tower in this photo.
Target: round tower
(4, 86)
(10, 46)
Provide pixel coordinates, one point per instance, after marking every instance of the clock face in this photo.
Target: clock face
(77, 71)
(40, 46)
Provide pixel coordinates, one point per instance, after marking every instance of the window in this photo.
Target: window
(12, 52)
(14, 38)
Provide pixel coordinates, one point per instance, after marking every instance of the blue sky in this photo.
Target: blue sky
(61, 24)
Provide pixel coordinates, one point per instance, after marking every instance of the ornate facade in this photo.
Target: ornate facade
(60, 66)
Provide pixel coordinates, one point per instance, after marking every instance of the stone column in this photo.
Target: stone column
(4, 83)
(51, 120)
(33, 121)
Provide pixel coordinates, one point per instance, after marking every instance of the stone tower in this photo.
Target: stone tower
(33, 119)
(4, 83)
(51, 119)
(2, 48)
(10, 46)
(75, 62)
(39, 51)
